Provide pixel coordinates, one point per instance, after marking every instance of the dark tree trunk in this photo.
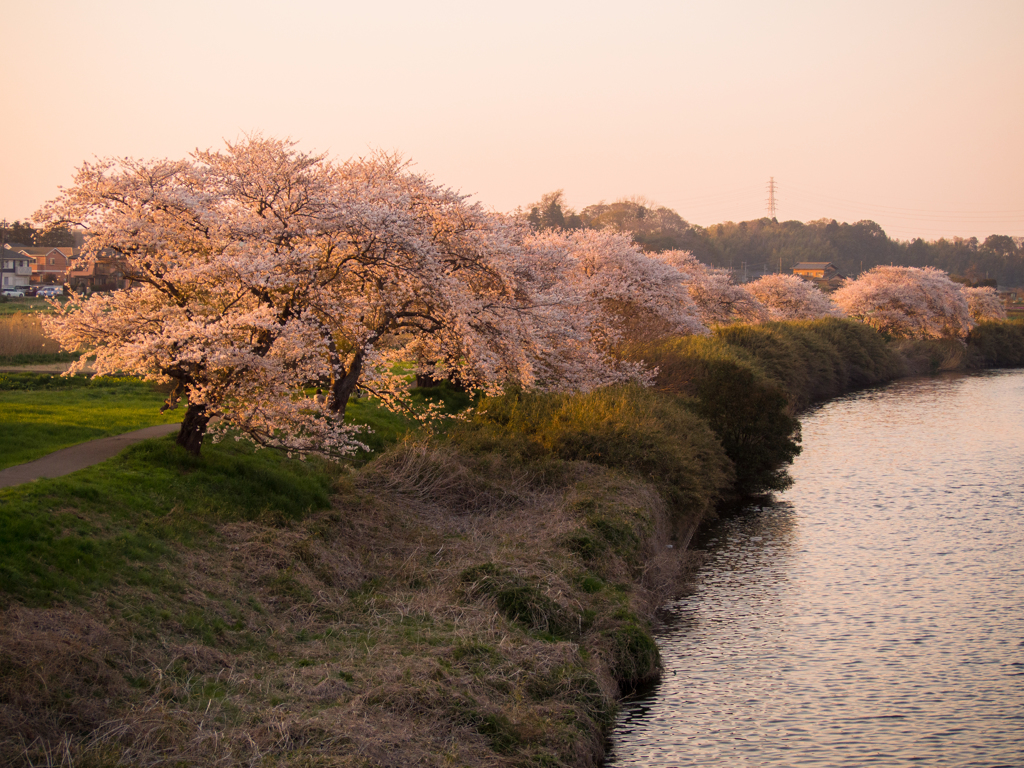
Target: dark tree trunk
(343, 389)
(193, 428)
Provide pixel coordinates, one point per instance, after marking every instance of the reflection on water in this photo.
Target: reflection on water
(874, 615)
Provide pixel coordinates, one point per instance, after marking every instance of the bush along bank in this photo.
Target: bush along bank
(477, 598)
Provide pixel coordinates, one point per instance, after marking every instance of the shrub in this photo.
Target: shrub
(867, 359)
(996, 345)
(748, 411)
(807, 366)
(625, 427)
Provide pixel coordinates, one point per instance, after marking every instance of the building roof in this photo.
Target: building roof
(17, 253)
(43, 250)
(815, 265)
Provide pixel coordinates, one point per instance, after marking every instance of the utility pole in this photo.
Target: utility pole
(771, 197)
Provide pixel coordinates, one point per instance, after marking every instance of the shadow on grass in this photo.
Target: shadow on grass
(62, 538)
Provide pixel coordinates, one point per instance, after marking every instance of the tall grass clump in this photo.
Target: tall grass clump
(644, 433)
(21, 336)
(996, 345)
(818, 359)
(748, 410)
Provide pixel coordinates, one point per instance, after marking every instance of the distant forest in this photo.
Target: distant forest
(766, 245)
(752, 248)
(26, 235)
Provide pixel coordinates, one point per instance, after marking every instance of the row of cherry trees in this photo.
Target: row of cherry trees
(259, 270)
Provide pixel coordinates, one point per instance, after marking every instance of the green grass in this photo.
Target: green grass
(25, 304)
(38, 359)
(63, 538)
(385, 428)
(40, 414)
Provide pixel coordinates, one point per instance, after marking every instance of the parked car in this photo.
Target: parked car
(13, 291)
(50, 290)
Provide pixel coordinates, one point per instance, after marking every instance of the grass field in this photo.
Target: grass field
(24, 305)
(41, 413)
(241, 608)
(124, 512)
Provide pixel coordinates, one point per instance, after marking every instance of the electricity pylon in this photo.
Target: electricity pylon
(771, 197)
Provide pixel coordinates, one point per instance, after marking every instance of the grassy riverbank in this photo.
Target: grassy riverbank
(42, 413)
(479, 597)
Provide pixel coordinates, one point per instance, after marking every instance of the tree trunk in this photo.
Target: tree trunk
(343, 388)
(193, 427)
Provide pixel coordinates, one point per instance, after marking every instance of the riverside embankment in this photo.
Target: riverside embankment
(477, 598)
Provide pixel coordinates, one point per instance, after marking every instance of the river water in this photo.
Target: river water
(873, 615)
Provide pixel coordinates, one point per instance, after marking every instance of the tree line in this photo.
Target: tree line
(766, 245)
(24, 234)
(261, 272)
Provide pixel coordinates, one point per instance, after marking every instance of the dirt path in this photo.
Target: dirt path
(68, 460)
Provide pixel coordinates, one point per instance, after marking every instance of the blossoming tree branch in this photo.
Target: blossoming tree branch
(258, 271)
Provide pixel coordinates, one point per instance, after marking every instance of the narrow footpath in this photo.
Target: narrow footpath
(68, 460)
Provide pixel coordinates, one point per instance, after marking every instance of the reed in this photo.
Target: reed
(22, 334)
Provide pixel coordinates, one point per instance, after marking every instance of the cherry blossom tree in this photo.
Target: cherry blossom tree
(719, 301)
(259, 270)
(984, 304)
(907, 302)
(617, 292)
(789, 297)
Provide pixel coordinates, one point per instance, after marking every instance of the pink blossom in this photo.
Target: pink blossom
(984, 304)
(719, 301)
(258, 271)
(907, 302)
(788, 297)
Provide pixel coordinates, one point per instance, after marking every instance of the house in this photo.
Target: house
(823, 274)
(103, 273)
(51, 263)
(1013, 300)
(15, 267)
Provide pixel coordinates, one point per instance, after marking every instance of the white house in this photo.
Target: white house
(15, 268)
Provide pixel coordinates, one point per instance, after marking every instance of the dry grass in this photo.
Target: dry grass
(360, 637)
(22, 334)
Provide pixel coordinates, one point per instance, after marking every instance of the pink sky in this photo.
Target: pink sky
(908, 113)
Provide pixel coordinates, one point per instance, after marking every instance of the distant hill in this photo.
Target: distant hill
(766, 245)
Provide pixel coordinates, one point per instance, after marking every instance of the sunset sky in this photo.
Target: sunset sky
(908, 113)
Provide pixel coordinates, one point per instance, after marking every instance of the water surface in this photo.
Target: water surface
(873, 615)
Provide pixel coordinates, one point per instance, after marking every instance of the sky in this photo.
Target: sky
(907, 113)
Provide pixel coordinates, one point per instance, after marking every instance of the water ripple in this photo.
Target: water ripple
(873, 615)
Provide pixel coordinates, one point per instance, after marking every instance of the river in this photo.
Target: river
(873, 614)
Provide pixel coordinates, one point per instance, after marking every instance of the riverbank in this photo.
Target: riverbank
(479, 598)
